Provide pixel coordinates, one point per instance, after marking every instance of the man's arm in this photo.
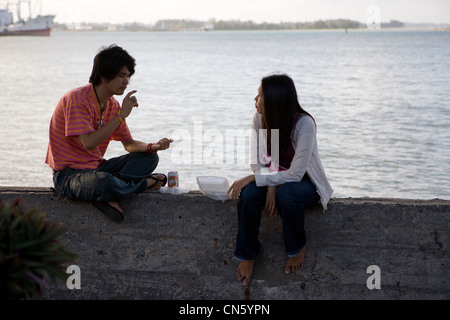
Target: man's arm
(93, 139)
(139, 146)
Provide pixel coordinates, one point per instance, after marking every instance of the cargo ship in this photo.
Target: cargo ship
(31, 26)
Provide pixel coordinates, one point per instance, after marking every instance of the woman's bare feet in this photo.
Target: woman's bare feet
(244, 271)
(294, 264)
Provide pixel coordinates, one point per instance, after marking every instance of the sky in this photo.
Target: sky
(150, 11)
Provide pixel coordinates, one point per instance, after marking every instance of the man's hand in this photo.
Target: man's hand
(162, 144)
(128, 103)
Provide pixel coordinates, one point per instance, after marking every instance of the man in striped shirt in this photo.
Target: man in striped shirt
(85, 120)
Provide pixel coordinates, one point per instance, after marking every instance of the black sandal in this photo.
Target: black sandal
(154, 176)
(111, 212)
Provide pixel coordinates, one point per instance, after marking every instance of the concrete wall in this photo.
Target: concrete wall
(181, 247)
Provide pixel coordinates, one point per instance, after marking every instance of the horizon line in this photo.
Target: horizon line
(244, 20)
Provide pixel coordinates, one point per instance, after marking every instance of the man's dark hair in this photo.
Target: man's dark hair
(108, 63)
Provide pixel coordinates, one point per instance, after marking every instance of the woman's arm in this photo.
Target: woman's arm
(238, 185)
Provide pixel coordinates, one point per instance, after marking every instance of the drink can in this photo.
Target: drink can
(172, 179)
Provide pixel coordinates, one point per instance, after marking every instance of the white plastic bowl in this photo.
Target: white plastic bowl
(214, 187)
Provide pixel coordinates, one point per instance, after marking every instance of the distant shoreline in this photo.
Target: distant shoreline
(281, 30)
(238, 25)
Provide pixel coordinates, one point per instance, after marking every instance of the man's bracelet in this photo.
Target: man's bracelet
(121, 118)
(149, 149)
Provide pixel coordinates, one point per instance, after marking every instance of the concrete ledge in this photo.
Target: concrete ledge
(181, 247)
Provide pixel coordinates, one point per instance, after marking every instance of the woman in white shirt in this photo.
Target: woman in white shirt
(285, 181)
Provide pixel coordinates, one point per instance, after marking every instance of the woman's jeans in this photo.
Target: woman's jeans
(114, 180)
(291, 199)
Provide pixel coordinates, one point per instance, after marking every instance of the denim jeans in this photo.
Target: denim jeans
(291, 199)
(114, 180)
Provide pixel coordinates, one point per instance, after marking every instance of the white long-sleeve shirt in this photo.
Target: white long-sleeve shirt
(306, 158)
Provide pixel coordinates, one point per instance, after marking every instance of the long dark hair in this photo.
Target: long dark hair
(280, 106)
(108, 63)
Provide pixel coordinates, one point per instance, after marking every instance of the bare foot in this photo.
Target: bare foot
(244, 271)
(294, 264)
(115, 205)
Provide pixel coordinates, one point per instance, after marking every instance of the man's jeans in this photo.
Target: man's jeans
(114, 180)
(291, 199)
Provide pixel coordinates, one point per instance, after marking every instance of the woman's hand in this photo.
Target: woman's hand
(271, 204)
(238, 185)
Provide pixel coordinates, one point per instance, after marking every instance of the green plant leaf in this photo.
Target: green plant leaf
(29, 251)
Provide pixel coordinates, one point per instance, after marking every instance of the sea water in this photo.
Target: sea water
(380, 99)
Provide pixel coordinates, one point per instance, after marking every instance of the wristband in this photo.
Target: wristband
(121, 118)
(149, 149)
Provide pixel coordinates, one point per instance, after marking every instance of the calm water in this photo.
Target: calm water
(380, 99)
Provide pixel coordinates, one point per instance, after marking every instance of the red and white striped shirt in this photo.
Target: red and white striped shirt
(78, 113)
